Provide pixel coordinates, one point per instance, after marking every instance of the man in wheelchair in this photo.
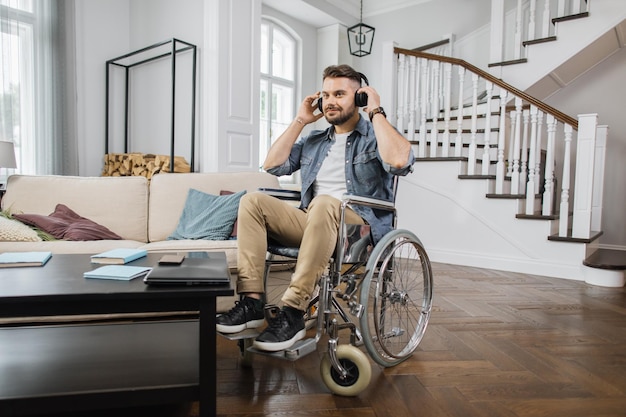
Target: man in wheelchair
(353, 156)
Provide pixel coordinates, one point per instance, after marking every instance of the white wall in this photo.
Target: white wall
(420, 25)
(102, 32)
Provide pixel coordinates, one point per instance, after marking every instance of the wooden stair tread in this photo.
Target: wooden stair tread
(607, 259)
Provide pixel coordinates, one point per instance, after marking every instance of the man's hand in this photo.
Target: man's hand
(306, 112)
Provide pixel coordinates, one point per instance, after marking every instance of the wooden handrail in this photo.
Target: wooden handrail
(560, 116)
(432, 45)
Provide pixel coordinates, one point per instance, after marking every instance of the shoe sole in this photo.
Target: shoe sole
(252, 324)
(276, 346)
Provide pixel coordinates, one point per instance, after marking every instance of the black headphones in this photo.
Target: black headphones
(360, 99)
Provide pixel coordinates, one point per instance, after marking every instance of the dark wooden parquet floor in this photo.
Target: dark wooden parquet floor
(498, 344)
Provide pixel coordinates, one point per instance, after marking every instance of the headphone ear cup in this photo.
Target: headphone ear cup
(320, 106)
(360, 99)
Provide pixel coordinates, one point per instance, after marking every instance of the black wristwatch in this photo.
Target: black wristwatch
(376, 111)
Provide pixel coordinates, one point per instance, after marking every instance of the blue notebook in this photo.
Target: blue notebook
(118, 272)
(118, 256)
(11, 259)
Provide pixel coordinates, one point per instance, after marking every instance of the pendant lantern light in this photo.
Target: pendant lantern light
(360, 37)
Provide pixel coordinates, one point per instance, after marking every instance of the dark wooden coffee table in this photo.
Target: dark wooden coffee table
(85, 366)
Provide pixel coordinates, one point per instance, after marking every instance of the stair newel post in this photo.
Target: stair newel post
(458, 142)
(486, 158)
(445, 140)
(423, 107)
(517, 137)
(413, 86)
(548, 190)
(584, 175)
(564, 207)
(471, 157)
(524, 149)
(434, 141)
(532, 156)
(539, 130)
(500, 165)
(598, 177)
(402, 88)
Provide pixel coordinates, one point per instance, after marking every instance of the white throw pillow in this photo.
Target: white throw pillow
(15, 231)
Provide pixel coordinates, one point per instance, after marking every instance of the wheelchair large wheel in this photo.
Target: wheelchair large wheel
(359, 371)
(396, 295)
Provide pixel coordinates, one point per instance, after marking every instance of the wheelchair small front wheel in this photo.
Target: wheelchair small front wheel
(396, 295)
(359, 371)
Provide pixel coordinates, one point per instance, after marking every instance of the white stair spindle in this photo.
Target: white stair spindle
(548, 193)
(532, 155)
(402, 88)
(486, 158)
(523, 172)
(471, 157)
(445, 139)
(575, 7)
(423, 107)
(413, 86)
(546, 20)
(565, 183)
(531, 20)
(515, 174)
(500, 168)
(560, 10)
(458, 143)
(434, 132)
(538, 152)
(517, 46)
(511, 144)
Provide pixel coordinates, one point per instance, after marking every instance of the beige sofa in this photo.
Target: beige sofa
(144, 213)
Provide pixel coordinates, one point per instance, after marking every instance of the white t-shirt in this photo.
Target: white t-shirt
(331, 178)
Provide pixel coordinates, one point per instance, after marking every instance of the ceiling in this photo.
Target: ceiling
(320, 13)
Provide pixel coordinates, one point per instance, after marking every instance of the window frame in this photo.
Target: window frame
(267, 126)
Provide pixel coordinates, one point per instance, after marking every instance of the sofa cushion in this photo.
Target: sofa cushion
(207, 216)
(15, 231)
(64, 223)
(168, 193)
(118, 203)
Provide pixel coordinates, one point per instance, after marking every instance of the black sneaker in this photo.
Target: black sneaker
(283, 330)
(246, 314)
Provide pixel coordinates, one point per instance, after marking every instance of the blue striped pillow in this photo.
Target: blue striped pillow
(207, 216)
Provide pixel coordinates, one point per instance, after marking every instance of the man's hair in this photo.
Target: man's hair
(342, 71)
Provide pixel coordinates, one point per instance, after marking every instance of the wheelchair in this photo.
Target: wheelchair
(381, 295)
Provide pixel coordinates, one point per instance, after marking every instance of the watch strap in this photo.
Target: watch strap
(376, 111)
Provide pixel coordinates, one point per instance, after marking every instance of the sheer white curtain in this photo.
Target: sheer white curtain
(34, 88)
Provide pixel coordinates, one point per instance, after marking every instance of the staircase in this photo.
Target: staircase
(502, 181)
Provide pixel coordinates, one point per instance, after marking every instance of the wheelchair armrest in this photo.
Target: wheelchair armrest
(368, 201)
(282, 194)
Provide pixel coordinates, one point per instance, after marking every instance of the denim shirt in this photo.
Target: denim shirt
(367, 175)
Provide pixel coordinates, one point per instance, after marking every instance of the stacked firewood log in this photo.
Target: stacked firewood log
(140, 164)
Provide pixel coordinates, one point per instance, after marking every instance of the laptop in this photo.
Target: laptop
(198, 268)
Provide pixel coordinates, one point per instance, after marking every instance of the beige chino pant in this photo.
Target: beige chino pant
(314, 231)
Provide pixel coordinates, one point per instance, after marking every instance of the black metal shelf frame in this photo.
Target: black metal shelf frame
(177, 47)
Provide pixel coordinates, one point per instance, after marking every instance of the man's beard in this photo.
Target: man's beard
(341, 118)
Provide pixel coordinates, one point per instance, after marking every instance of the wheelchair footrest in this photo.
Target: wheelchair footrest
(298, 350)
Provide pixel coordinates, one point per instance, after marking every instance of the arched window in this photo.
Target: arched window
(279, 75)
